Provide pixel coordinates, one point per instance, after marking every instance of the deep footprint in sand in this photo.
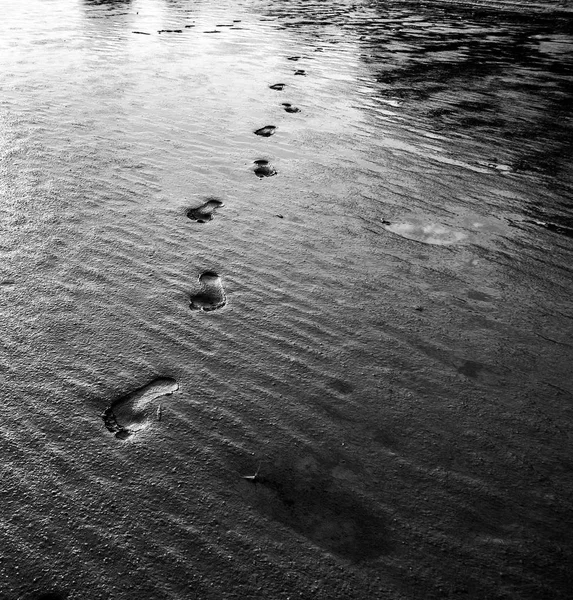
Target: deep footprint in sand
(264, 168)
(212, 296)
(290, 108)
(266, 131)
(204, 213)
(137, 410)
(278, 86)
(300, 72)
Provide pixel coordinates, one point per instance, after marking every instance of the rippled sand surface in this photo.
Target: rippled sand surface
(329, 360)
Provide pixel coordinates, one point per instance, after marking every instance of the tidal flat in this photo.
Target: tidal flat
(285, 298)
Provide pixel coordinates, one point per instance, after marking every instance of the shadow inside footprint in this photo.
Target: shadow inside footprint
(137, 410)
(278, 86)
(300, 72)
(264, 169)
(204, 213)
(290, 108)
(294, 58)
(266, 131)
(212, 296)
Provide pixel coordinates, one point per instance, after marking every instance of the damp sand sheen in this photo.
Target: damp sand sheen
(429, 233)
(282, 325)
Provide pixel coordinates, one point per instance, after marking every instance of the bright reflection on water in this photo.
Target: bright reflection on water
(428, 234)
(422, 89)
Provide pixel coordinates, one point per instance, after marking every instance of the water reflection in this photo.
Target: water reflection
(427, 233)
(490, 89)
(463, 72)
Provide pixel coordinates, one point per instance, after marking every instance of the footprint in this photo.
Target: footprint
(294, 57)
(290, 108)
(204, 213)
(278, 86)
(300, 72)
(212, 296)
(266, 131)
(264, 169)
(137, 410)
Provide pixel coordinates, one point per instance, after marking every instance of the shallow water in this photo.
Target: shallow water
(387, 340)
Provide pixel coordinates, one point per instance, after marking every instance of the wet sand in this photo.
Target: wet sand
(330, 362)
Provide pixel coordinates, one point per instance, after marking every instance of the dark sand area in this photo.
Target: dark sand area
(286, 310)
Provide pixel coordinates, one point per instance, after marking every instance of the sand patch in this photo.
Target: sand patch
(316, 500)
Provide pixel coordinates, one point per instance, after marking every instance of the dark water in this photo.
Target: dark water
(354, 286)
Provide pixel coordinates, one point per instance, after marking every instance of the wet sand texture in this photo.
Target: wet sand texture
(428, 233)
(305, 497)
(383, 408)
